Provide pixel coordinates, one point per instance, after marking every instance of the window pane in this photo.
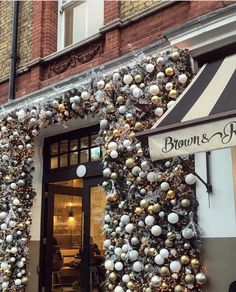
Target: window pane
(54, 149)
(73, 158)
(63, 160)
(64, 146)
(68, 26)
(84, 142)
(84, 156)
(95, 153)
(93, 140)
(54, 162)
(79, 22)
(74, 145)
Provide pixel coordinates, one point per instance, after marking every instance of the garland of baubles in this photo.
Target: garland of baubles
(152, 240)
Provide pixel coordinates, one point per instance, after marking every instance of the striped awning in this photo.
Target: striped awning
(204, 116)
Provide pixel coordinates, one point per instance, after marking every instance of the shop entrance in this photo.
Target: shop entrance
(72, 253)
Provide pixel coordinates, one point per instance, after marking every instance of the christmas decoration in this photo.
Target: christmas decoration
(152, 239)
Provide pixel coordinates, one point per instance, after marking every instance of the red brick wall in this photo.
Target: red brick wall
(115, 42)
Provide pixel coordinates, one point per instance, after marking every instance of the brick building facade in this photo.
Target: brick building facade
(128, 28)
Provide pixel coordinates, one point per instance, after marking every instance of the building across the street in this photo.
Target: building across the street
(52, 49)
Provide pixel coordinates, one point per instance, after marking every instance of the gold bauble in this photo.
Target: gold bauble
(7, 179)
(108, 87)
(113, 234)
(123, 256)
(169, 71)
(152, 251)
(195, 263)
(110, 287)
(24, 280)
(61, 107)
(112, 276)
(104, 184)
(179, 288)
(170, 194)
(160, 177)
(132, 135)
(169, 243)
(155, 99)
(185, 203)
(146, 250)
(138, 210)
(138, 78)
(130, 285)
(175, 55)
(173, 93)
(164, 285)
(170, 235)
(114, 175)
(116, 133)
(148, 289)
(184, 259)
(156, 208)
(138, 180)
(7, 272)
(112, 197)
(144, 203)
(150, 209)
(165, 271)
(140, 152)
(138, 126)
(189, 279)
(120, 99)
(130, 162)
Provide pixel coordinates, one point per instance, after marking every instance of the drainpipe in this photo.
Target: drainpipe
(14, 57)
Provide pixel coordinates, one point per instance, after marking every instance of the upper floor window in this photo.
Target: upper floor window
(78, 20)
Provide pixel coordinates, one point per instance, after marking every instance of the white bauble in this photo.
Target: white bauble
(4, 226)
(129, 228)
(152, 176)
(154, 89)
(187, 233)
(9, 238)
(107, 218)
(159, 260)
(190, 179)
(142, 174)
(155, 280)
(107, 243)
(85, 95)
(133, 255)
(165, 186)
(182, 78)
(160, 60)
(12, 259)
(126, 143)
(4, 266)
(164, 252)
(122, 109)
(18, 282)
(16, 202)
(137, 92)
(134, 241)
(100, 84)
(112, 146)
(173, 218)
(170, 104)
(125, 278)
(168, 86)
(160, 75)
(114, 154)
(116, 76)
(119, 289)
(150, 68)
(13, 250)
(159, 111)
(149, 220)
(118, 251)
(118, 230)
(137, 266)
(5, 285)
(107, 172)
(175, 266)
(20, 264)
(136, 170)
(127, 79)
(109, 265)
(145, 165)
(119, 266)
(3, 215)
(156, 230)
(104, 124)
(125, 248)
(12, 223)
(125, 219)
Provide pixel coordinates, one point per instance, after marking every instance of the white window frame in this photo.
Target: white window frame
(61, 21)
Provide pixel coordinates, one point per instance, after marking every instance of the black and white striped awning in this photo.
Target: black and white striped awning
(204, 116)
